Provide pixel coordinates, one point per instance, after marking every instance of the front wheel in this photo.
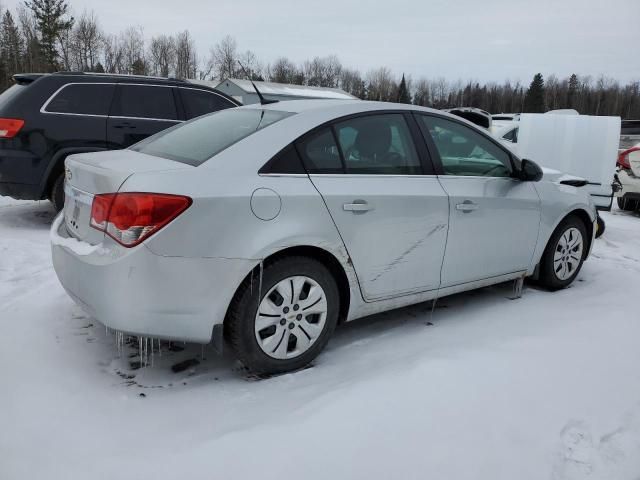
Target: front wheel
(564, 254)
(600, 227)
(282, 321)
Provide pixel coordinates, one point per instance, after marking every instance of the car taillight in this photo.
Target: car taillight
(623, 158)
(9, 127)
(130, 218)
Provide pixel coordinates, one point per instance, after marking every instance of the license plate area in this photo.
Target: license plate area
(77, 211)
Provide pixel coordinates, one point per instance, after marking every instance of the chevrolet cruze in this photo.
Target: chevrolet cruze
(268, 225)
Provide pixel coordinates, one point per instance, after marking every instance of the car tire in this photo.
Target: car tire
(601, 226)
(558, 266)
(261, 322)
(627, 204)
(57, 193)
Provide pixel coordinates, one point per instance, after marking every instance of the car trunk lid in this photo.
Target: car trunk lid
(89, 174)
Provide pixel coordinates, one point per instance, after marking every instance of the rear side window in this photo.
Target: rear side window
(197, 141)
(287, 161)
(320, 152)
(82, 99)
(200, 102)
(145, 101)
(378, 145)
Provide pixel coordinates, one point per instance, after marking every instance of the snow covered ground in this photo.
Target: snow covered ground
(545, 387)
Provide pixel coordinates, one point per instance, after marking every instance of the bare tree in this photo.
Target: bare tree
(132, 45)
(223, 61)
(284, 70)
(186, 56)
(88, 41)
(113, 55)
(162, 55)
(380, 85)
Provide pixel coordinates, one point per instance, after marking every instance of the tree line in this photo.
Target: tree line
(43, 36)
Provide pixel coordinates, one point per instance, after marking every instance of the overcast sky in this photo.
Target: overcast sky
(467, 39)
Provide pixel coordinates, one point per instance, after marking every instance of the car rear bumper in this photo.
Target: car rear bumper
(140, 293)
(630, 185)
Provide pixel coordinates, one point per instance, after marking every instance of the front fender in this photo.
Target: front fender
(557, 202)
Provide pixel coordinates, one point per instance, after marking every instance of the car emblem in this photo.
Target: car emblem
(68, 174)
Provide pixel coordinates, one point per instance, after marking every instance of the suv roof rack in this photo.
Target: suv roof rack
(123, 75)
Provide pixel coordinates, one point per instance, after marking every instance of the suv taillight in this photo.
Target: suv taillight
(9, 127)
(130, 218)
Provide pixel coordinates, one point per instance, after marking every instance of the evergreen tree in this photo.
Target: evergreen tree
(10, 49)
(99, 68)
(138, 67)
(534, 98)
(52, 22)
(403, 93)
(573, 91)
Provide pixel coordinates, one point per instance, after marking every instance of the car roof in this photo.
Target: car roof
(336, 108)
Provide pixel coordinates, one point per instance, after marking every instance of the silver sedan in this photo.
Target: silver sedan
(268, 225)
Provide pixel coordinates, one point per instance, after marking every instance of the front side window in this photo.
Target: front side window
(197, 141)
(200, 102)
(379, 145)
(82, 99)
(145, 101)
(463, 151)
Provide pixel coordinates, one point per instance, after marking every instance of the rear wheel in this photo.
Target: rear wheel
(628, 204)
(287, 324)
(57, 193)
(564, 254)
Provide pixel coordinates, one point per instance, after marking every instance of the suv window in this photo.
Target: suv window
(82, 99)
(464, 151)
(320, 153)
(200, 102)
(145, 101)
(10, 93)
(378, 144)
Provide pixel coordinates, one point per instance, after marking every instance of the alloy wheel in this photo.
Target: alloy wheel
(291, 317)
(568, 253)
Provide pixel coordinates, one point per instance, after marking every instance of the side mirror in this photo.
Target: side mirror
(530, 171)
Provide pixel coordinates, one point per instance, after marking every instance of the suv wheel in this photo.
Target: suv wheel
(57, 193)
(564, 255)
(287, 324)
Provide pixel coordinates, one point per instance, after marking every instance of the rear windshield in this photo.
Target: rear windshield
(10, 93)
(197, 141)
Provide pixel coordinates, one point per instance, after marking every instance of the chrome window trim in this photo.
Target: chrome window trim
(293, 175)
(46, 103)
(367, 175)
(209, 91)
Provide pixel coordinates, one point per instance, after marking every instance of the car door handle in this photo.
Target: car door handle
(357, 206)
(467, 206)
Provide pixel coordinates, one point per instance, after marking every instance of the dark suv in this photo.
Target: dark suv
(45, 118)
